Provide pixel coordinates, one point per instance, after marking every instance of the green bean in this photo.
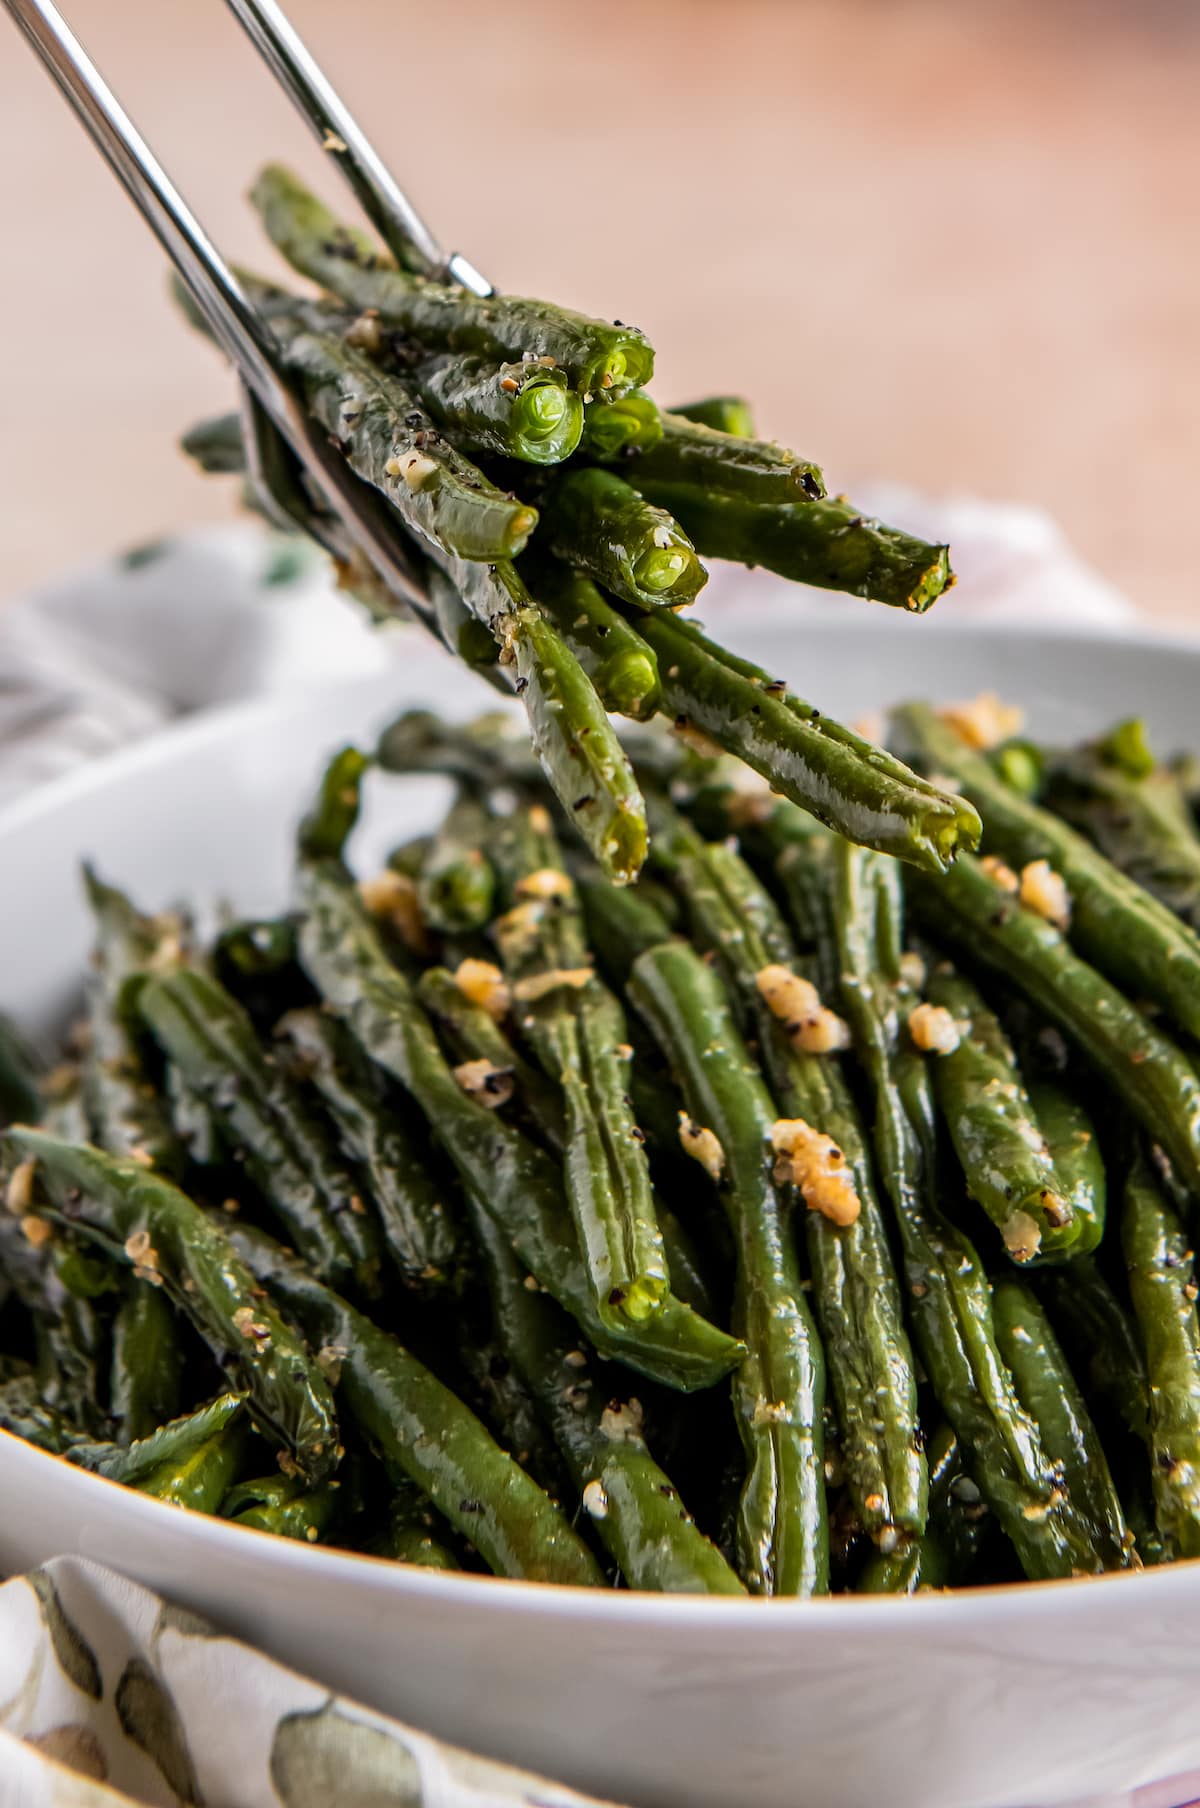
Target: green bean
(721, 464)
(1078, 1159)
(947, 1552)
(126, 1112)
(999, 1142)
(423, 1430)
(163, 1447)
(1161, 1269)
(201, 1479)
(146, 1388)
(828, 543)
(621, 924)
(596, 356)
(522, 410)
(456, 889)
(574, 741)
(948, 1294)
(1151, 1074)
(518, 1183)
(1051, 1396)
(409, 1535)
(418, 1227)
(138, 1217)
(634, 1507)
(287, 1151)
(595, 520)
(614, 655)
(282, 1504)
(845, 782)
(1130, 936)
(783, 1533)
(333, 814)
(614, 430)
(1102, 1340)
(725, 414)
(854, 1290)
(578, 1032)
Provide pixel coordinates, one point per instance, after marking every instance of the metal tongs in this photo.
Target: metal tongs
(290, 462)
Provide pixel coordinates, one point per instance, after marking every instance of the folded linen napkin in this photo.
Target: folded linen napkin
(109, 1696)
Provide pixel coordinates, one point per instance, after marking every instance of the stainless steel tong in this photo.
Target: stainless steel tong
(288, 454)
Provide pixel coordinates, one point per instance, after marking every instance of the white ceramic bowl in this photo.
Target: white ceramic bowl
(989, 1699)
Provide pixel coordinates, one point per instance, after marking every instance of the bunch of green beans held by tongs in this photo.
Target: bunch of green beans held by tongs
(792, 1219)
(557, 515)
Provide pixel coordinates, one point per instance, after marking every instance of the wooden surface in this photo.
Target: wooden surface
(952, 243)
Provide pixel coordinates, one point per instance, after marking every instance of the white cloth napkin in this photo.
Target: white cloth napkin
(108, 1696)
(86, 666)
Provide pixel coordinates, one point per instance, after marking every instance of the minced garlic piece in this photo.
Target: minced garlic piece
(393, 898)
(797, 1004)
(528, 991)
(623, 1423)
(546, 882)
(808, 1159)
(702, 1145)
(483, 983)
(414, 467)
(18, 1195)
(539, 819)
(1045, 891)
(984, 721)
(595, 1500)
(769, 1412)
(365, 333)
(1000, 873)
(1022, 1238)
(249, 1327)
(912, 970)
(36, 1230)
(933, 1029)
(483, 1081)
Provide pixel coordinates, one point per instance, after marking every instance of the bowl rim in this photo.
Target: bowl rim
(995, 1603)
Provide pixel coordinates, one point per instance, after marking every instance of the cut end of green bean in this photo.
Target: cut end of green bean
(663, 568)
(630, 684)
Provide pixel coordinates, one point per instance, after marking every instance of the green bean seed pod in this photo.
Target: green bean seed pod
(594, 520)
(522, 410)
(1000, 1144)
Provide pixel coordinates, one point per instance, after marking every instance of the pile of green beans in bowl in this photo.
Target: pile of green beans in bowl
(792, 1219)
(738, 1155)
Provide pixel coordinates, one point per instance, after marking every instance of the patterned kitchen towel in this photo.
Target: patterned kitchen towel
(108, 1696)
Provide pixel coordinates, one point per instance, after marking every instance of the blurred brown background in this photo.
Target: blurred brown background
(936, 240)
